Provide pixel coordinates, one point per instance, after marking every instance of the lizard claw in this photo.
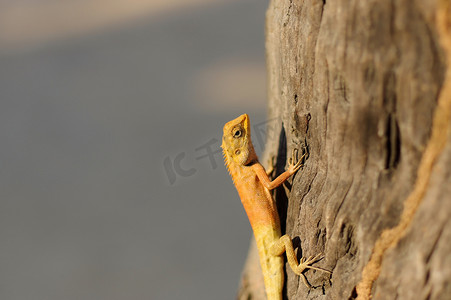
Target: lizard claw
(294, 163)
(306, 264)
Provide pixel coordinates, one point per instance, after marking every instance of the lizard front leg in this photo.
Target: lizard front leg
(293, 166)
(284, 244)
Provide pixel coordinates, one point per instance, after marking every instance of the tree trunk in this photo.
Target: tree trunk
(366, 87)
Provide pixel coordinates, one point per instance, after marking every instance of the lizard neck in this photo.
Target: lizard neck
(234, 166)
(239, 151)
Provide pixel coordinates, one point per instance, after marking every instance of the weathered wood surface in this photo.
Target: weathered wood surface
(360, 83)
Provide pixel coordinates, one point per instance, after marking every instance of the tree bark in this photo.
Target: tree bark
(366, 87)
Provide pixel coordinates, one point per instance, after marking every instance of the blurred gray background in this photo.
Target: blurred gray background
(107, 111)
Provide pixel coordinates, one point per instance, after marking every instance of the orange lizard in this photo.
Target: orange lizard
(254, 185)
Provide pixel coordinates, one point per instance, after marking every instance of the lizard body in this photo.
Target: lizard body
(253, 186)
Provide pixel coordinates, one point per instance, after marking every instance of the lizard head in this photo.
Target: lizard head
(236, 141)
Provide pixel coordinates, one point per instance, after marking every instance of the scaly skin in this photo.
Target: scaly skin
(254, 185)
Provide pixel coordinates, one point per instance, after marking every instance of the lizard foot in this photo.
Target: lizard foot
(306, 264)
(294, 163)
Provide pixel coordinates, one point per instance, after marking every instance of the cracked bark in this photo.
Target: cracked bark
(359, 83)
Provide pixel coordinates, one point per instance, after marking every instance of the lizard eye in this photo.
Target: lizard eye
(237, 133)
